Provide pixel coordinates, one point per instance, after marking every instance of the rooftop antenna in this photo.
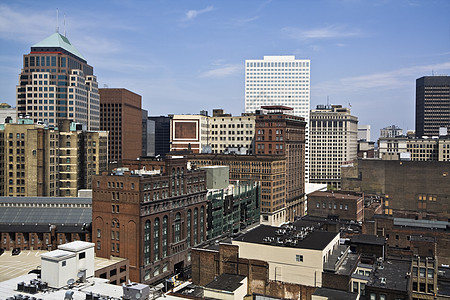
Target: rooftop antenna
(57, 28)
(65, 25)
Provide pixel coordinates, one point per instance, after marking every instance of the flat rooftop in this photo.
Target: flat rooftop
(391, 275)
(27, 260)
(314, 240)
(226, 282)
(335, 294)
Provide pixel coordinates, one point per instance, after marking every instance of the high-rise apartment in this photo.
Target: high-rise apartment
(56, 83)
(279, 80)
(432, 105)
(121, 116)
(333, 132)
(36, 160)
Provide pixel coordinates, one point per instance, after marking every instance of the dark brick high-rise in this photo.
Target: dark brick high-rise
(432, 105)
(121, 116)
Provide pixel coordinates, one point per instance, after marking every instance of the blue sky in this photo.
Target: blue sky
(186, 56)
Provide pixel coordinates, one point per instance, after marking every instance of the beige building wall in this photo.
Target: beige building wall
(231, 132)
(333, 134)
(189, 131)
(283, 261)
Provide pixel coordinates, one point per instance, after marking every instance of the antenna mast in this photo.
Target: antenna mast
(57, 28)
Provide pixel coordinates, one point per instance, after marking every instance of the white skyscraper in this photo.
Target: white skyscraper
(279, 80)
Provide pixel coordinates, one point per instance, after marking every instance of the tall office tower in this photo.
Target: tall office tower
(432, 105)
(121, 115)
(36, 160)
(333, 132)
(279, 80)
(159, 138)
(364, 133)
(56, 83)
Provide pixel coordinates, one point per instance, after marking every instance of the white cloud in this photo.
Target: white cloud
(386, 80)
(327, 32)
(224, 71)
(192, 14)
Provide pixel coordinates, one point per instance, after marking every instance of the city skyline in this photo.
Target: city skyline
(190, 55)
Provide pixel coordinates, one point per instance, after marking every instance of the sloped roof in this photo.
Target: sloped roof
(58, 40)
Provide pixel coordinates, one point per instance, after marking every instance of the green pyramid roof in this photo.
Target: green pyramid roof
(58, 40)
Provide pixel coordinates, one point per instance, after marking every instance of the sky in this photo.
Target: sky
(185, 56)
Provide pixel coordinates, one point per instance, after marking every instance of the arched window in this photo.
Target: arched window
(164, 236)
(195, 226)
(156, 239)
(147, 242)
(177, 227)
(188, 227)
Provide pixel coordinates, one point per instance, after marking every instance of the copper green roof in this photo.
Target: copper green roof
(58, 40)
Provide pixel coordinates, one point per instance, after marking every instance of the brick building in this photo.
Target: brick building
(345, 205)
(121, 116)
(270, 170)
(419, 188)
(280, 133)
(42, 223)
(153, 217)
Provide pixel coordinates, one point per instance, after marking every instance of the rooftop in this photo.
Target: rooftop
(226, 282)
(292, 236)
(60, 41)
(390, 275)
(367, 239)
(335, 294)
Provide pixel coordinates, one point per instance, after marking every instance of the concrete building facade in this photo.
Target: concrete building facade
(333, 132)
(38, 160)
(56, 83)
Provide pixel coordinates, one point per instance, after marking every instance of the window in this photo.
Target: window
(382, 297)
(373, 296)
(99, 233)
(156, 239)
(147, 242)
(64, 263)
(430, 273)
(177, 227)
(82, 255)
(299, 258)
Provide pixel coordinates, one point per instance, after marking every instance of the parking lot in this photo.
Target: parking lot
(13, 266)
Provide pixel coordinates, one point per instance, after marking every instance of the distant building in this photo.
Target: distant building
(159, 135)
(189, 132)
(364, 133)
(56, 83)
(280, 80)
(231, 132)
(344, 205)
(152, 217)
(8, 114)
(416, 188)
(43, 223)
(270, 170)
(391, 131)
(432, 105)
(415, 149)
(333, 133)
(366, 149)
(121, 116)
(231, 207)
(279, 132)
(39, 160)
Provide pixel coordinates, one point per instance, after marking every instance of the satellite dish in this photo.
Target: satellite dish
(80, 274)
(70, 281)
(138, 295)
